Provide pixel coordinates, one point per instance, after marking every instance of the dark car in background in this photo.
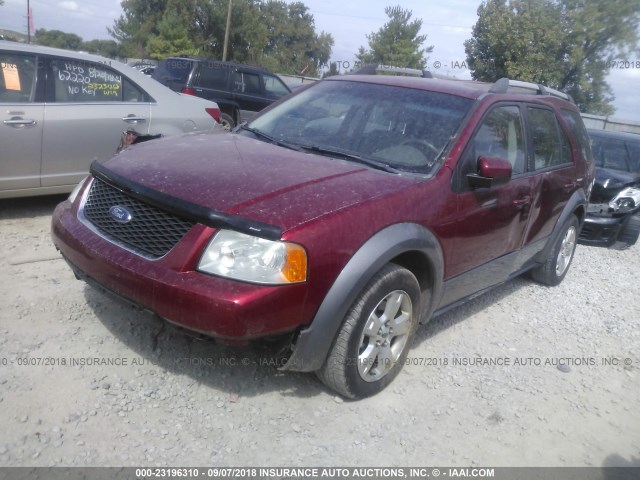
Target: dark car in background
(340, 218)
(239, 90)
(613, 218)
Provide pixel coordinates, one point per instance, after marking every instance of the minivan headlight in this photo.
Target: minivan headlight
(252, 259)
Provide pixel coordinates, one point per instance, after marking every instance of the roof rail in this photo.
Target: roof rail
(372, 69)
(502, 86)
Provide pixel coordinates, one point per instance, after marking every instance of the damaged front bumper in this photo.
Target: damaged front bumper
(606, 221)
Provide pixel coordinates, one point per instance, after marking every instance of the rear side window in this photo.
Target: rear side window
(576, 125)
(550, 144)
(248, 83)
(77, 81)
(213, 75)
(17, 78)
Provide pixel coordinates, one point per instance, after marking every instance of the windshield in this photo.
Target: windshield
(401, 128)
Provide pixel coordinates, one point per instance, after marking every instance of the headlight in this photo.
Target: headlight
(251, 259)
(76, 190)
(626, 200)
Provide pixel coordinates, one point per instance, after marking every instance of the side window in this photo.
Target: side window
(78, 81)
(575, 123)
(550, 145)
(274, 87)
(17, 78)
(248, 83)
(213, 75)
(131, 93)
(501, 135)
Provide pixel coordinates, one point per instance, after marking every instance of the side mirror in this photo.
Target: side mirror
(492, 171)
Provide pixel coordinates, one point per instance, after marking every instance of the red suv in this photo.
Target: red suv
(339, 218)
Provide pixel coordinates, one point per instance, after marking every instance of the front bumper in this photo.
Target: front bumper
(171, 288)
(603, 231)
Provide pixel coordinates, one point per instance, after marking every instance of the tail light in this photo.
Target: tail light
(214, 112)
(189, 91)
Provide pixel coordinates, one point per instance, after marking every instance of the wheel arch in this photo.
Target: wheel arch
(577, 205)
(406, 244)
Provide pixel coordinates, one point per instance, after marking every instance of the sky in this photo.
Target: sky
(447, 23)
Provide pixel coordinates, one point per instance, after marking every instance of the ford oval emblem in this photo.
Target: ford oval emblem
(120, 214)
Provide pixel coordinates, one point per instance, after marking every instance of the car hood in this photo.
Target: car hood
(609, 182)
(242, 176)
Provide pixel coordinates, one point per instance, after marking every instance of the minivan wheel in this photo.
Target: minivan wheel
(227, 122)
(372, 345)
(556, 266)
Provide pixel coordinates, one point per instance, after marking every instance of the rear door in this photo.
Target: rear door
(21, 120)
(88, 107)
(554, 171)
(249, 93)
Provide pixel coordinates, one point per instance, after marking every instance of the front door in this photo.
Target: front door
(491, 222)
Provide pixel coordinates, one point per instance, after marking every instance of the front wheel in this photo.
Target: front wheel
(372, 344)
(557, 263)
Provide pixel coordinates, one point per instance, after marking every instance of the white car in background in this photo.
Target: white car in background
(60, 110)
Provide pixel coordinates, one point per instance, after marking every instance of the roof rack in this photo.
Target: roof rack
(372, 69)
(502, 86)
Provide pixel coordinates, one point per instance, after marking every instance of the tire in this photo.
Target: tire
(556, 266)
(362, 360)
(629, 235)
(227, 122)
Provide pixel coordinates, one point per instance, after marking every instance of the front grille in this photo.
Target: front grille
(151, 232)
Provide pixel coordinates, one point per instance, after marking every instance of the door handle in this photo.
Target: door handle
(133, 119)
(521, 203)
(569, 186)
(20, 122)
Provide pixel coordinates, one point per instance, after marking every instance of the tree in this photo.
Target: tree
(106, 48)
(173, 38)
(292, 45)
(397, 43)
(138, 22)
(272, 33)
(58, 39)
(564, 44)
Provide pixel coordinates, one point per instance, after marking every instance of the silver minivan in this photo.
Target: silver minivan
(60, 110)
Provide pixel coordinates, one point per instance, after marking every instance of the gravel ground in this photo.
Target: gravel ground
(483, 386)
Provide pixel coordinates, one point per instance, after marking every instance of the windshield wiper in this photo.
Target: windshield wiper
(349, 156)
(270, 139)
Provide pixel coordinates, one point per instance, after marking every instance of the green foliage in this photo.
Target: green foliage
(564, 44)
(106, 48)
(272, 33)
(58, 39)
(71, 41)
(139, 21)
(397, 43)
(172, 39)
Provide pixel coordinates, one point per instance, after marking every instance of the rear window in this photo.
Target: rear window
(173, 71)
